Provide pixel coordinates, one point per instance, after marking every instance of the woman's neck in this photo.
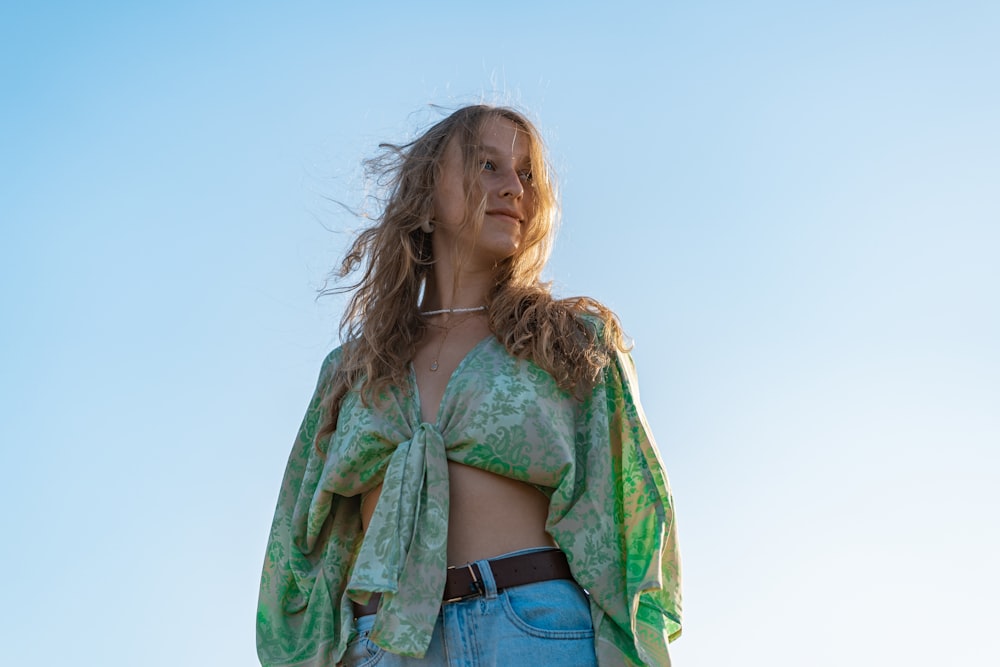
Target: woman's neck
(467, 290)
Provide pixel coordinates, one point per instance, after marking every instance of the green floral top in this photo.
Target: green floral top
(610, 509)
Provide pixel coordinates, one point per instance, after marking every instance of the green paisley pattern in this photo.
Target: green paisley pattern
(610, 509)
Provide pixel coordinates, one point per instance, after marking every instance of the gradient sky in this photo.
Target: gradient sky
(792, 206)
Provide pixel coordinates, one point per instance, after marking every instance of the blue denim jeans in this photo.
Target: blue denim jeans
(544, 623)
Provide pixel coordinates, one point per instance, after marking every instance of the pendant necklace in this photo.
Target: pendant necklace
(447, 329)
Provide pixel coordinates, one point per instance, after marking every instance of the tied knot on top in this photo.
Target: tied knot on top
(404, 551)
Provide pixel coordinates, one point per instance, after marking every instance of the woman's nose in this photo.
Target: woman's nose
(512, 186)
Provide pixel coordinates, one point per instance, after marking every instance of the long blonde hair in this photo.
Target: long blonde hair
(382, 326)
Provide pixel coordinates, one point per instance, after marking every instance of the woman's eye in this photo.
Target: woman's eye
(489, 166)
(525, 175)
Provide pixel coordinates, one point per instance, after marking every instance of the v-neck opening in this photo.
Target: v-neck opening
(451, 379)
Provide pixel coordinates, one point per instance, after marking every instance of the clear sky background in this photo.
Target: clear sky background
(792, 205)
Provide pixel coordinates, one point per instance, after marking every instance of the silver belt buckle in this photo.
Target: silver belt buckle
(480, 590)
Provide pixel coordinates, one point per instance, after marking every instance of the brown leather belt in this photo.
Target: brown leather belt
(466, 581)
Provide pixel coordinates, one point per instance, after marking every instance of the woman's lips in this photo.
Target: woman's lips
(512, 216)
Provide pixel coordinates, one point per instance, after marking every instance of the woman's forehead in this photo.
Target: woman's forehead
(502, 137)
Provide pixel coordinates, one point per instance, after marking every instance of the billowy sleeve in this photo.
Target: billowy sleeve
(615, 520)
(649, 535)
(303, 619)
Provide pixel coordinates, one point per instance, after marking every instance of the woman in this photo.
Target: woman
(474, 481)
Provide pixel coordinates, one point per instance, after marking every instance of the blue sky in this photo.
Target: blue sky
(792, 206)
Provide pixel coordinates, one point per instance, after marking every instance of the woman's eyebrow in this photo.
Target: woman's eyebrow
(494, 152)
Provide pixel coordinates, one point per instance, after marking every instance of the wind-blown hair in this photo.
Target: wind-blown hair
(381, 326)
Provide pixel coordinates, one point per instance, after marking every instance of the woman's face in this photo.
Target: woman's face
(505, 183)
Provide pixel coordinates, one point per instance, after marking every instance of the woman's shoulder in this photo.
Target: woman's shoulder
(333, 357)
(599, 322)
(331, 362)
(592, 322)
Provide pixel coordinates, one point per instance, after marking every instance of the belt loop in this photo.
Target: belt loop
(487, 583)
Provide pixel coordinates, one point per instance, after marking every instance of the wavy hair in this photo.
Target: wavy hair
(381, 325)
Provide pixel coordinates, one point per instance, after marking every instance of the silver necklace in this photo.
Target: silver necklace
(447, 330)
(451, 311)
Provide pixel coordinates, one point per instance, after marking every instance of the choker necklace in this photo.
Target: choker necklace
(451, 311)
(447, 330)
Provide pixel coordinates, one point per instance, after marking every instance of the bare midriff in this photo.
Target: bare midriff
(489, 514)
